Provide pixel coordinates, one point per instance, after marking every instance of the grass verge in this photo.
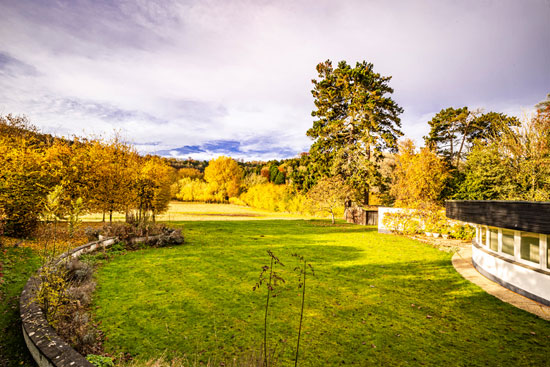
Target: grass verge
(16, 266)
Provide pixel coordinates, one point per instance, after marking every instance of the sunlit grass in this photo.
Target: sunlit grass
(375, 300)
(183, 211)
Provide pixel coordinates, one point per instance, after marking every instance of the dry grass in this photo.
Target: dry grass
(184, 211)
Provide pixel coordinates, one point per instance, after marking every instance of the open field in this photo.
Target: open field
(184, 211)
(375, 300)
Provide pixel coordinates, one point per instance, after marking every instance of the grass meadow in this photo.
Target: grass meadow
(375, 300)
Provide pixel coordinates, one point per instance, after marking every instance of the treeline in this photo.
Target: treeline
(471, 155)
(356, 155)
(49, 178)
(357, 152)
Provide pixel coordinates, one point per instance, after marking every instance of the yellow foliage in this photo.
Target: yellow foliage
(273, 197)
(24, 175)
(418, 178)
(154, 185)
(223, 176)
(329, 195)
(193, 190)
(192, 173)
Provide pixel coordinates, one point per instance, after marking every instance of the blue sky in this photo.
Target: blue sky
(205, 78)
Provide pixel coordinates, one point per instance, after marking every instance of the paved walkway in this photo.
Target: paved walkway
(462, 261)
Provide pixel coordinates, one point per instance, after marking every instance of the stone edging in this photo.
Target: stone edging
(46, 347)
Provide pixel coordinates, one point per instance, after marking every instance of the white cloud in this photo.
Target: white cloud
(185, 74)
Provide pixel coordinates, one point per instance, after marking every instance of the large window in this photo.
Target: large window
(493, 239)
(484, 236)
(530, 247)
(508, 242)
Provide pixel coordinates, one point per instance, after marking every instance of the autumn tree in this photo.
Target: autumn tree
(192, 190)
(72, 170)
(24, 175)
(418, 178)
(191, 173)
(513, 163)
(223, 176)
(528, 150)
(116, 169)
(356, 119)
(152, 187)
(543, 109)
(330, 193)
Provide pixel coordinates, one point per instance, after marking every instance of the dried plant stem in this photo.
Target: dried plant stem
(266, 309)
(301, 315)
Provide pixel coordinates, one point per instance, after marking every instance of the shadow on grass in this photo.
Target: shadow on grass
(375, 299)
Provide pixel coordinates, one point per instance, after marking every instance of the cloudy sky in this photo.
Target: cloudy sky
(205, 78)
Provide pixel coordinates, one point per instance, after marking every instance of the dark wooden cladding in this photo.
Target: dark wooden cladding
(525, 216)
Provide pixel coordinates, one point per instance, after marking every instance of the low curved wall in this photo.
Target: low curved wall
(46, 347)
(528, 281)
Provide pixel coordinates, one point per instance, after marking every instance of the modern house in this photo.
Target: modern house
(511, 243)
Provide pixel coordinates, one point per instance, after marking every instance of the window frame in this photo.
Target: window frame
(529, 262)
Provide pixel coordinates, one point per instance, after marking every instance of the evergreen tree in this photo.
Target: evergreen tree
(453, 131)
(356, 119)
(487, 175)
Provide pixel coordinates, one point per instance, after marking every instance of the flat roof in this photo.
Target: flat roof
(528, 216)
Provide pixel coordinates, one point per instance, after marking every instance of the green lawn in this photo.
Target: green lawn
(16, 266)
(375, 300)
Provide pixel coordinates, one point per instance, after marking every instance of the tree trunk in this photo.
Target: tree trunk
(332, 213)
(110, 216)
(103, 217)
(465, 132)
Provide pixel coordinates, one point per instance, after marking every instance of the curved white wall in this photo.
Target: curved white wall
(520, 278)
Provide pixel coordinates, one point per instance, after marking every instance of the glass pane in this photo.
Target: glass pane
(484, 236)
(530, 247)
(508, 242)
(493, 239)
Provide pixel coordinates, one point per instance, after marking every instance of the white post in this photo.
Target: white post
(543, 243)
(517, 245)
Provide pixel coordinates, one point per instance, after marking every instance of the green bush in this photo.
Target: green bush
(100, 361)
(462, 232)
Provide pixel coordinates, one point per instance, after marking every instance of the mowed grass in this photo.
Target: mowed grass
(375, 300)
(183, 211)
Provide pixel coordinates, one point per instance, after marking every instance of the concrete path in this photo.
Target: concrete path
(462, 261)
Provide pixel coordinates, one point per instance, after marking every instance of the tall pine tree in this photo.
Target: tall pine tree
(356, 119)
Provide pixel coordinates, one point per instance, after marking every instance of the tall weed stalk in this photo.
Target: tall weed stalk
(273, 279)
(302, 269)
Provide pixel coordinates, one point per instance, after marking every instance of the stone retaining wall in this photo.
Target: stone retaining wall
(46, 347)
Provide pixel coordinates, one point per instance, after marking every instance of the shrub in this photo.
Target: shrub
(77, 271)
(462, 232)
(100, 361)
(407, 222)
(267, 196)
